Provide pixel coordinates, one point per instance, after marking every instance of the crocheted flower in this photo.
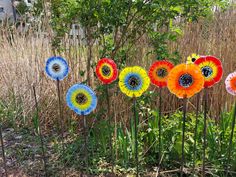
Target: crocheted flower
(81, 99)
(133, 81)
(185, 80)
(56, 68)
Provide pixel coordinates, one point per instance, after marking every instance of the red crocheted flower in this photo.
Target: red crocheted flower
(106, 70)
(159, 72)
(211, 70)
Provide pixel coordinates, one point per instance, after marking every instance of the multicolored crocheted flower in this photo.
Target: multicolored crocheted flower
(133, 81)
(56, 68)
(159, 72)
(81, 99)
(211, 70)
(230, 83)
(192, 58)
(185, 80)
(106, 70)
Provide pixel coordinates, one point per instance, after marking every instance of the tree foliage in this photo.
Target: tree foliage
(119, 24)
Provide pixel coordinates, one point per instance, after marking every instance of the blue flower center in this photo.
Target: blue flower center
(207, 71)
(186, 80)
(162, 72)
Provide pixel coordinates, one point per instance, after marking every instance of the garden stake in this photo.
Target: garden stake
(85, 141)
(110, 128)
(133, 81)
(82, 100)
(60, 121)
(136, 136)
(183, 134)
(3, 152)
(231, 140)
(204, 132)
(159, 125)
(39, 131)
(195, 131)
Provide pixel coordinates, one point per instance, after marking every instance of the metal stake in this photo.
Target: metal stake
(110, 129)
(159, 125)
(39, 131)
(195, 130)
(204, 132)
(3, 152)
(183, 134)
(231, 140)
(85, 141)
(60, 121)
(136, 136)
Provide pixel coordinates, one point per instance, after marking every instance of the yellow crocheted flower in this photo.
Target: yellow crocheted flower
(133, 81)
(192, 58)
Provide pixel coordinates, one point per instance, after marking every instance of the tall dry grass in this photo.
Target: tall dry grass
(22, 58)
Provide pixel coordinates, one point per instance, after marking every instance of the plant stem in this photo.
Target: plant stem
(136, 136)
(110, 128)
(204, 132)
(40, 133)
(195, 131)
(183, 134)
(85, 141)
(3, 151)
(159, 125)
(60, 121)
(231, 140)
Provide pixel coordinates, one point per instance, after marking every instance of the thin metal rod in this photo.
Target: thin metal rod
(136, 136)
(110, 128)
(204, 133)
(195, 130)
(3, 151)
(60, 121)
(85, 142)
(231, 140)
(183, 135)
(159, 125)
(40, 132)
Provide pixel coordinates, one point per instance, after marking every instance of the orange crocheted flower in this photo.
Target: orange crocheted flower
(185, 80)
(159, 72)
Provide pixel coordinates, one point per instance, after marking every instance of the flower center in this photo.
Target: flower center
(134, 82)
(193, 59)
(186, 80)
(207, 71)
(232, 83)
(106, 70)
(81, 98)
(162, 72)
(56, 67)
